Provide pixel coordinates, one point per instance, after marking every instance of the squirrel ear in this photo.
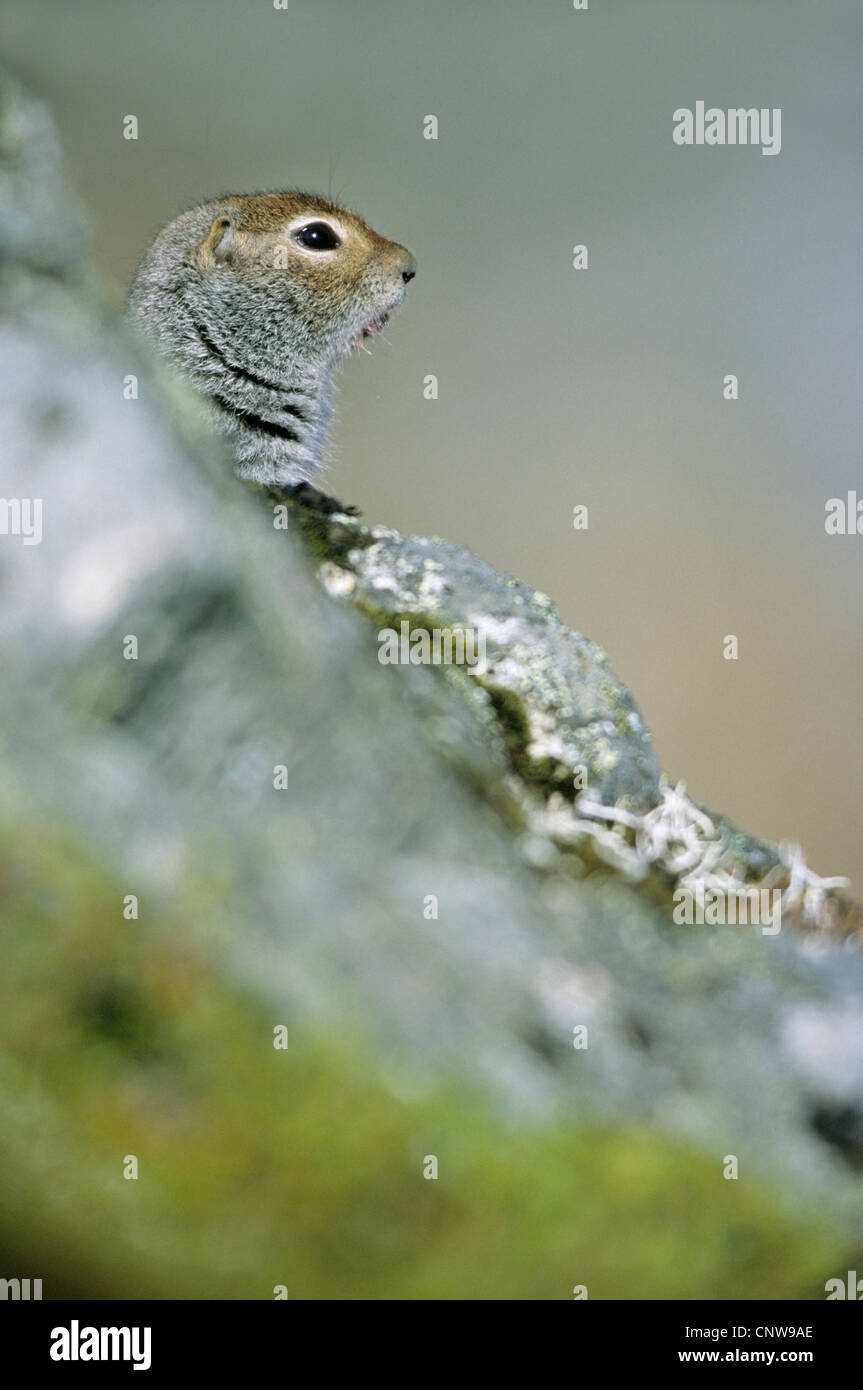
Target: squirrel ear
(220, 243)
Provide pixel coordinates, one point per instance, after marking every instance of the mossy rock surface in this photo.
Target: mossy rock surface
(259, 1167)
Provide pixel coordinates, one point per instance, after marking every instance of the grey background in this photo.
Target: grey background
(559, 387)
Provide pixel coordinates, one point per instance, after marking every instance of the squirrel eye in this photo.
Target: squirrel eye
(317, 236)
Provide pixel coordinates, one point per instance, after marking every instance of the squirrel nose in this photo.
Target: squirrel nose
(410, 269)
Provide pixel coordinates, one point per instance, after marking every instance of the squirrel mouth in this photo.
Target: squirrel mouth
(371, 329)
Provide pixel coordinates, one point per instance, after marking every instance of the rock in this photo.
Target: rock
(586, 775)
(426, 895)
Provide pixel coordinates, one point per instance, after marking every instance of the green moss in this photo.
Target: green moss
(304, 1167)
(512, 719)
(323, 538)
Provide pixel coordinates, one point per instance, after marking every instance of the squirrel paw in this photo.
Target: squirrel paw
(308, 496)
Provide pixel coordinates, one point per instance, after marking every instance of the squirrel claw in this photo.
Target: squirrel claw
(308, 496)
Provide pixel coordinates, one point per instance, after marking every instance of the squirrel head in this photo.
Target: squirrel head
(254, 298)
(292, 274)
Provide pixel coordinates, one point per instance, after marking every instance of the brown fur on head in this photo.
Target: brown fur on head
(343, 291)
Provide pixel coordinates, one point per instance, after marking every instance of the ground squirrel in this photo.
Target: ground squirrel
(255, 298)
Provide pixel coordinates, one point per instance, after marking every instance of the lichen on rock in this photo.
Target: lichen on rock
(561, 712)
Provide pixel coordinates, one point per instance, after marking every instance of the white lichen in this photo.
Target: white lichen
(677, 836)
(338, 582)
